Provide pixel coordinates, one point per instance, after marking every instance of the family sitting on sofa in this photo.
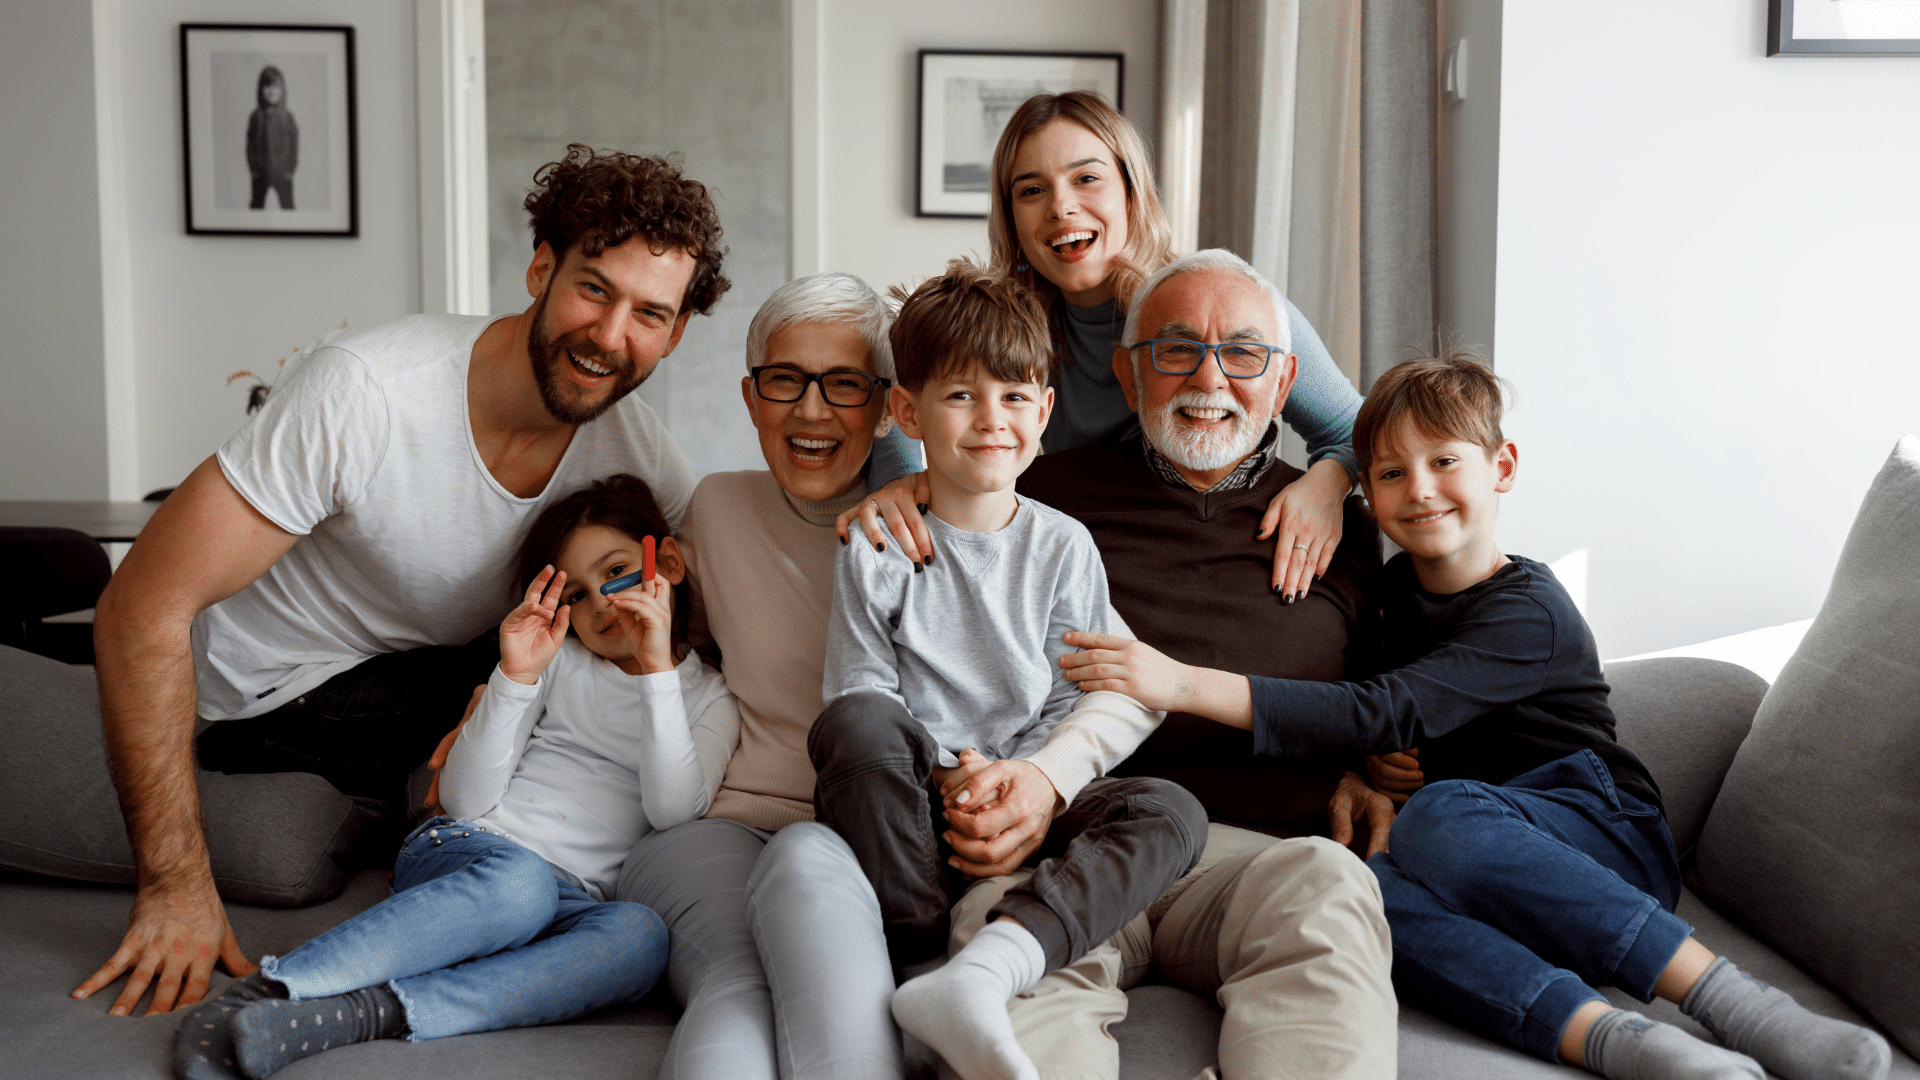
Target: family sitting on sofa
(849, 752)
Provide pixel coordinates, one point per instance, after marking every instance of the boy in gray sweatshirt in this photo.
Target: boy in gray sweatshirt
(937, 670)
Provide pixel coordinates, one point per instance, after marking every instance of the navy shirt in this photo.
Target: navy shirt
(1490, 682)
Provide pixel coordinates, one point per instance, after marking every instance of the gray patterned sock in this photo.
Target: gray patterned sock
(1624, 1045)
(1756, 1018)
(204, 1048)
(270, 1035)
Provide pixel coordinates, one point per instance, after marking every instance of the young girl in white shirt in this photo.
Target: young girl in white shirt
(582, 744)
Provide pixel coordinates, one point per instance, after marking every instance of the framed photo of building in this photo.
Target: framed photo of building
(1843, 28)
(269, 144)
(965, 101)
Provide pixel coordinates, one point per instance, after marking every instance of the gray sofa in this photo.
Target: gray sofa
(1792, 806)
(1686, 717)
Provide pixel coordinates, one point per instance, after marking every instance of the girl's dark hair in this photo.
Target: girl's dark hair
(622, 502)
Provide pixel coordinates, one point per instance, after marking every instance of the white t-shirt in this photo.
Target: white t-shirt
(406, 540)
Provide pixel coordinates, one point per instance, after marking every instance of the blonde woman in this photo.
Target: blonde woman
(1076, 216)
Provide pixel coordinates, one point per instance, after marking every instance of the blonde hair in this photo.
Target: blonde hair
(1149, 236)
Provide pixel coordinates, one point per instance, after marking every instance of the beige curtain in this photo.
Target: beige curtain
(1316, 159)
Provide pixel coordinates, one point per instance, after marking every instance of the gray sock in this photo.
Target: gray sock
(270, 1035)
(1750, 1016)
(204, 1048)
(1624, 1045)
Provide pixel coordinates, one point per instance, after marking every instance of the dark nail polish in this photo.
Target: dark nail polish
(843, 541)
(922, 507)
(1256, 534)
(1301, 595)
(1287, 599)
(1276, 588)
(878, 546)
(916, 568)
(1316, 577)
(929, 558)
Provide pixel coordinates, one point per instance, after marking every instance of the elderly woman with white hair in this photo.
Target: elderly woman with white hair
(777, 953)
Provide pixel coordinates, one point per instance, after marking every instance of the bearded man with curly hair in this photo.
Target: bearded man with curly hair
(320, 590)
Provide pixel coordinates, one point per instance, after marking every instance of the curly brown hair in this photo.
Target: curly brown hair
(596, 199)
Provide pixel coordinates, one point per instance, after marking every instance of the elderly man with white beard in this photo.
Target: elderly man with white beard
(1282, 926)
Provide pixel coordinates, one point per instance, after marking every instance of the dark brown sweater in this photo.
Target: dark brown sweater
(1185, 572)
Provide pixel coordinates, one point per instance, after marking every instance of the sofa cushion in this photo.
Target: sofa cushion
(1684, 717)
(273, 838)
(1810, 843)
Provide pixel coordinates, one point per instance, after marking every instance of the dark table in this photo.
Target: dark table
(106, 522)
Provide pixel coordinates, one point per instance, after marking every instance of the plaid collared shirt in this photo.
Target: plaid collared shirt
(1244, 475)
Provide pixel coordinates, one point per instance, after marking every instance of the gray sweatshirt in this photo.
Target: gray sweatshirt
(971, 645)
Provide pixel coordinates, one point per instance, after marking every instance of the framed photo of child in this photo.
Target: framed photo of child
(269, 143)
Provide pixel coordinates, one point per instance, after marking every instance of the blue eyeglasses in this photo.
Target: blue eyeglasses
(1237, 359)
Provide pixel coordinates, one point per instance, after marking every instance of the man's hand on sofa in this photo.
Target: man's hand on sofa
(439, 759)
(999, 814)
(1396, 775)
(174, 935)
(1354, 801)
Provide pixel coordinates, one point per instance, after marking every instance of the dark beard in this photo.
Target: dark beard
(549, 358)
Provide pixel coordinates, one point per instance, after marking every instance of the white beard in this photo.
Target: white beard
(1202, 451)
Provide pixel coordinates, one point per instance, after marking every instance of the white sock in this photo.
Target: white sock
(961, 1009)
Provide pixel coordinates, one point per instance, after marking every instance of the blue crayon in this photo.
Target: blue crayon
(622, 583)
(628, 581)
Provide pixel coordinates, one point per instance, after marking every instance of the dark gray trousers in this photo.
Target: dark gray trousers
(1114, 850)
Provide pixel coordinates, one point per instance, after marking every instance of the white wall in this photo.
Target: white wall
(868, 69)
(202, 307)
(1706, 295)
(52, 369)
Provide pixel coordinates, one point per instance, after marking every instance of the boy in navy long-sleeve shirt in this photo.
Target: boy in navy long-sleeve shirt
(1532, 860)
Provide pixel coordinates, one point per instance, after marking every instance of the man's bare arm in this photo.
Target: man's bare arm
(204, 544)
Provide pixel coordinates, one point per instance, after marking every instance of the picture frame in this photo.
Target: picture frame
(1842, 28)
(965, 99)
(270, 143)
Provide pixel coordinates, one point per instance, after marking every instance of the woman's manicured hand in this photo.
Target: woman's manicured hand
(532, 633)
(646, 617)
(1307, 514)
(1354, 801)
(1396, 775)
(901, 503)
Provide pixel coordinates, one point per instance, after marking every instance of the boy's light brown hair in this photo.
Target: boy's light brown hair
(969, 315)
(1455, 396)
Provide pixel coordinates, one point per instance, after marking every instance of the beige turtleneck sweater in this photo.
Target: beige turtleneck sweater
(762, 563)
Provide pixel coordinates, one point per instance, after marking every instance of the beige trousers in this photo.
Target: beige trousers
(1287, 935)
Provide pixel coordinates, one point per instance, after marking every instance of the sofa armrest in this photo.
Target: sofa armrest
(1685, 717)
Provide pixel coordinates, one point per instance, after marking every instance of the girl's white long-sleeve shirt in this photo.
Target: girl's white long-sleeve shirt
(582, 764)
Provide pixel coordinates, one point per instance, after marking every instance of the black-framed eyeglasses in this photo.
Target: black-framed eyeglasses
(847, 389)
(1237, 359)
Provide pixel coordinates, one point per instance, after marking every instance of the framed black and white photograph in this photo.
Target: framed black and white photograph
(966, 99)
(268, 123)
(1843, 28)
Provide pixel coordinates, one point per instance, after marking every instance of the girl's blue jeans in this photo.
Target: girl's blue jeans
(1510, 902)
(481, 934)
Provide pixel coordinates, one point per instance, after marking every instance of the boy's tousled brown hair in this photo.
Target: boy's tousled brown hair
(1456, 396)
(592, 200)
(969, 315)
(622, 502)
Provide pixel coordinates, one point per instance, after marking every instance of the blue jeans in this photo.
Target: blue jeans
(481, 934)
(1509, 902)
